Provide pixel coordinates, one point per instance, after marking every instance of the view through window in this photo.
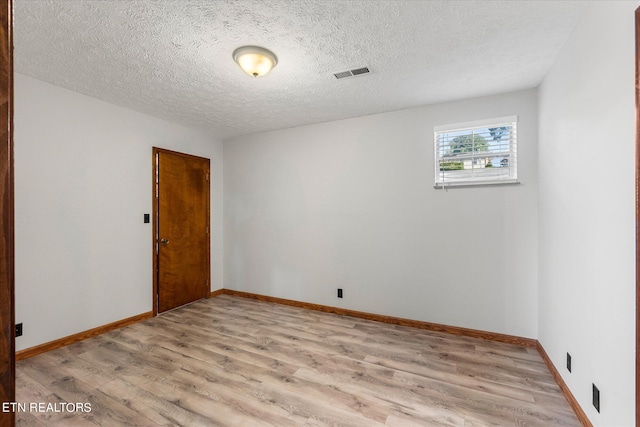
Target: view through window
(482, 152)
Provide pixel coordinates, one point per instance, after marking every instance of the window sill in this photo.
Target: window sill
(446, 186)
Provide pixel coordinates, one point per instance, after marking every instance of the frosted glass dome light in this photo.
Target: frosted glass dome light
(254, 60)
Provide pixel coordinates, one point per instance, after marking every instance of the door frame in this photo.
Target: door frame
(155, 238)
(7, 271)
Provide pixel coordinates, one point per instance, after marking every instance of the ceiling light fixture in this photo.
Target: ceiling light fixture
(254, 60)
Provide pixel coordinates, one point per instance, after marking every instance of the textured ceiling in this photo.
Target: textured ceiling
(172, 58)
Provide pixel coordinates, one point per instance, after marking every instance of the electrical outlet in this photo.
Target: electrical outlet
(18, 329)
(339, 293)
(596, 397)
(568, 362)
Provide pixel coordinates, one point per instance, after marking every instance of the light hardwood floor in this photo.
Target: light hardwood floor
(232, 361)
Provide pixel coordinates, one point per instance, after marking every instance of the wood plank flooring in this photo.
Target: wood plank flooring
(230, 361)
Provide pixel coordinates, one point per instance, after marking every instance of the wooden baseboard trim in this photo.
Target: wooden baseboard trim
(52, 345)
(455, 330)
(582, 417)
(216, 293)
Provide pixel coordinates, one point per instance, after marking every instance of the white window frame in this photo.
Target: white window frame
(470, 175)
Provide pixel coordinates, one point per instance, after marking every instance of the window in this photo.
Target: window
(476, 153)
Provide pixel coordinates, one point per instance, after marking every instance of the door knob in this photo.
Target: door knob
(164, 241)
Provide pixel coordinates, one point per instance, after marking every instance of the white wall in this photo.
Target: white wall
(83, 171)
(350, 204)
(586, 212)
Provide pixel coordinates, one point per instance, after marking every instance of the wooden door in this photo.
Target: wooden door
(7, 305)
(182, 228)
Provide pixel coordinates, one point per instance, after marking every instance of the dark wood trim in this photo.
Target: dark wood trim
(637, 147)
(216, 293)
(154, 230)
(455, 330)
(52, 345)
(7, 275)
(582, 417)
(178, 153)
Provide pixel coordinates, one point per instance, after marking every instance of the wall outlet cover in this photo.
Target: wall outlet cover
(596, 397)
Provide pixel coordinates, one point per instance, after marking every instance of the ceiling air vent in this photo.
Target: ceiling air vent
(350, 73)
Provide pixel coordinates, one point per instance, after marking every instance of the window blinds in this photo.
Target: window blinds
(476, 153)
